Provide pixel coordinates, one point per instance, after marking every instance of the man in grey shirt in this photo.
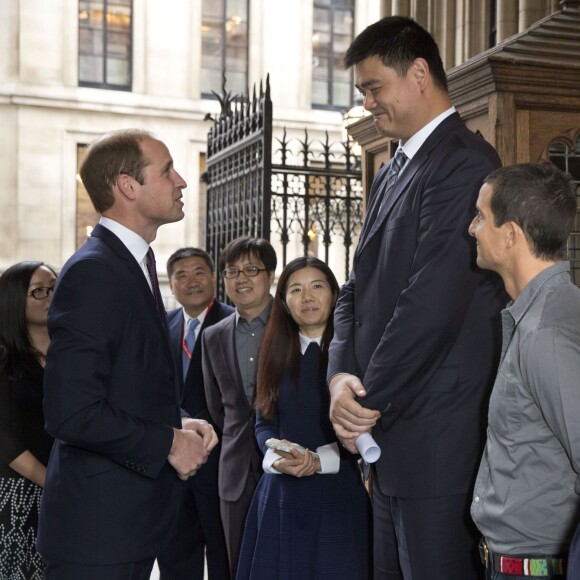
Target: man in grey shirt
(526, 501)
(230, 365)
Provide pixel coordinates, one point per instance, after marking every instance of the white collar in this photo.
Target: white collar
(414, 143)
(200, 317)
(132, 241)
(305, 342)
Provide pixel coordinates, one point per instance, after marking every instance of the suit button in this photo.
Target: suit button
(357, 321)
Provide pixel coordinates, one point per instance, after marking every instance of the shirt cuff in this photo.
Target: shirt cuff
(269, 457)
(329, 458)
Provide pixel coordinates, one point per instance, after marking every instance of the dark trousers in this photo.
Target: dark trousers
(416, 539)
(234, 518)
(56, 570)
(197, 531)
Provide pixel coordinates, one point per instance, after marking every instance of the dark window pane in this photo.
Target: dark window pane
(237, 82)
(320, 92)
(343, 22)
(331, 36)
(118, 45)
(91, 69)
(224, 45)
(118, 18)
(320, 68)
(321, 19)
(117, 71)
(237, 8)
(213, 9)
(105, 28)
(91, 42)
(211, 80)
(341, 94)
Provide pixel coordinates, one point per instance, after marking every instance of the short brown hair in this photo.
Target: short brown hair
(106, 158)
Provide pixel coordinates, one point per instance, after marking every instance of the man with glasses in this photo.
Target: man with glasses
(230, 365)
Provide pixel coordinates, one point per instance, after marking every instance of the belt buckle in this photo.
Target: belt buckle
(484, 552)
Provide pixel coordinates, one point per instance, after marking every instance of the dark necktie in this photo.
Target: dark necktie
(390, 180)
(393, 174)
(152, 269)
(313, 349)
(188, 344)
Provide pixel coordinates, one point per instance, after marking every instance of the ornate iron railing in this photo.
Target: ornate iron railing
(307, 202)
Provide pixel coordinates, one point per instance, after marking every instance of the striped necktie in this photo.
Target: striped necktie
(397, 164)
(389, 181)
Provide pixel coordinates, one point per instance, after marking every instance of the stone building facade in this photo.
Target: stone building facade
(47, 115)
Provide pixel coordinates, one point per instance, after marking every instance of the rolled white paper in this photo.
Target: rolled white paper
(368, 447)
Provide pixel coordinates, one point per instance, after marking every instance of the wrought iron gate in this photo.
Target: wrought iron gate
(305, 197)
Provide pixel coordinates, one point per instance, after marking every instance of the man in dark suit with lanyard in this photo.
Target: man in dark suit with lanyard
(111, 398)
(417, 323)
(198, 528)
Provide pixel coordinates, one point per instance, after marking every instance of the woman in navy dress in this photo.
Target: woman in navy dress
(310, 515)
(25, 293)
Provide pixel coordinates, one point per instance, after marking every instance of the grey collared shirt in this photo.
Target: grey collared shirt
(526, 494)
(248, 340)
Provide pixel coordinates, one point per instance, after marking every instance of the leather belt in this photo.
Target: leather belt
(539, 565)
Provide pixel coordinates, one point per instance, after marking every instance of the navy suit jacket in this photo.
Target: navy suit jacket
(418, 322)
(111, 400)
(229, 409)
(192, 391)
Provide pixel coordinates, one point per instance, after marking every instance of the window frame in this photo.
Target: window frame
(223, 70)
(106, 85)
(331, 54)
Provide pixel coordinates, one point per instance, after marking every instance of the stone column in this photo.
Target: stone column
(506, 19)
(530, 11)
(443, 30)
(400, 8)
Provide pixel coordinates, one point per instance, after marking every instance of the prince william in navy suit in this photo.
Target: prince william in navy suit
(111, 395)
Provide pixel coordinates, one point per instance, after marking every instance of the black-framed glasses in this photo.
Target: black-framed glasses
(249, 271)
(41, 292)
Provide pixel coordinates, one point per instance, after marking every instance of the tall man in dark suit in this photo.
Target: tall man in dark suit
(198, 528)
(230, 365)
(111, 395)
(417, 324)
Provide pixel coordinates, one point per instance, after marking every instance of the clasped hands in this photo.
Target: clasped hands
(191, 447)
(349, 419)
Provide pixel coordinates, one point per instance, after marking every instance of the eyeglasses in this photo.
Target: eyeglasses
(249, 271)
(41, 292)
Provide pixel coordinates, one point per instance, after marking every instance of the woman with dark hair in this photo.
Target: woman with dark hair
(25, 292)
(310, 515)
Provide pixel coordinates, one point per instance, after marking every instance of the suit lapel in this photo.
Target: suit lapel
(112, 241)
(228, 343)
(415, 164)
(176, 336)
